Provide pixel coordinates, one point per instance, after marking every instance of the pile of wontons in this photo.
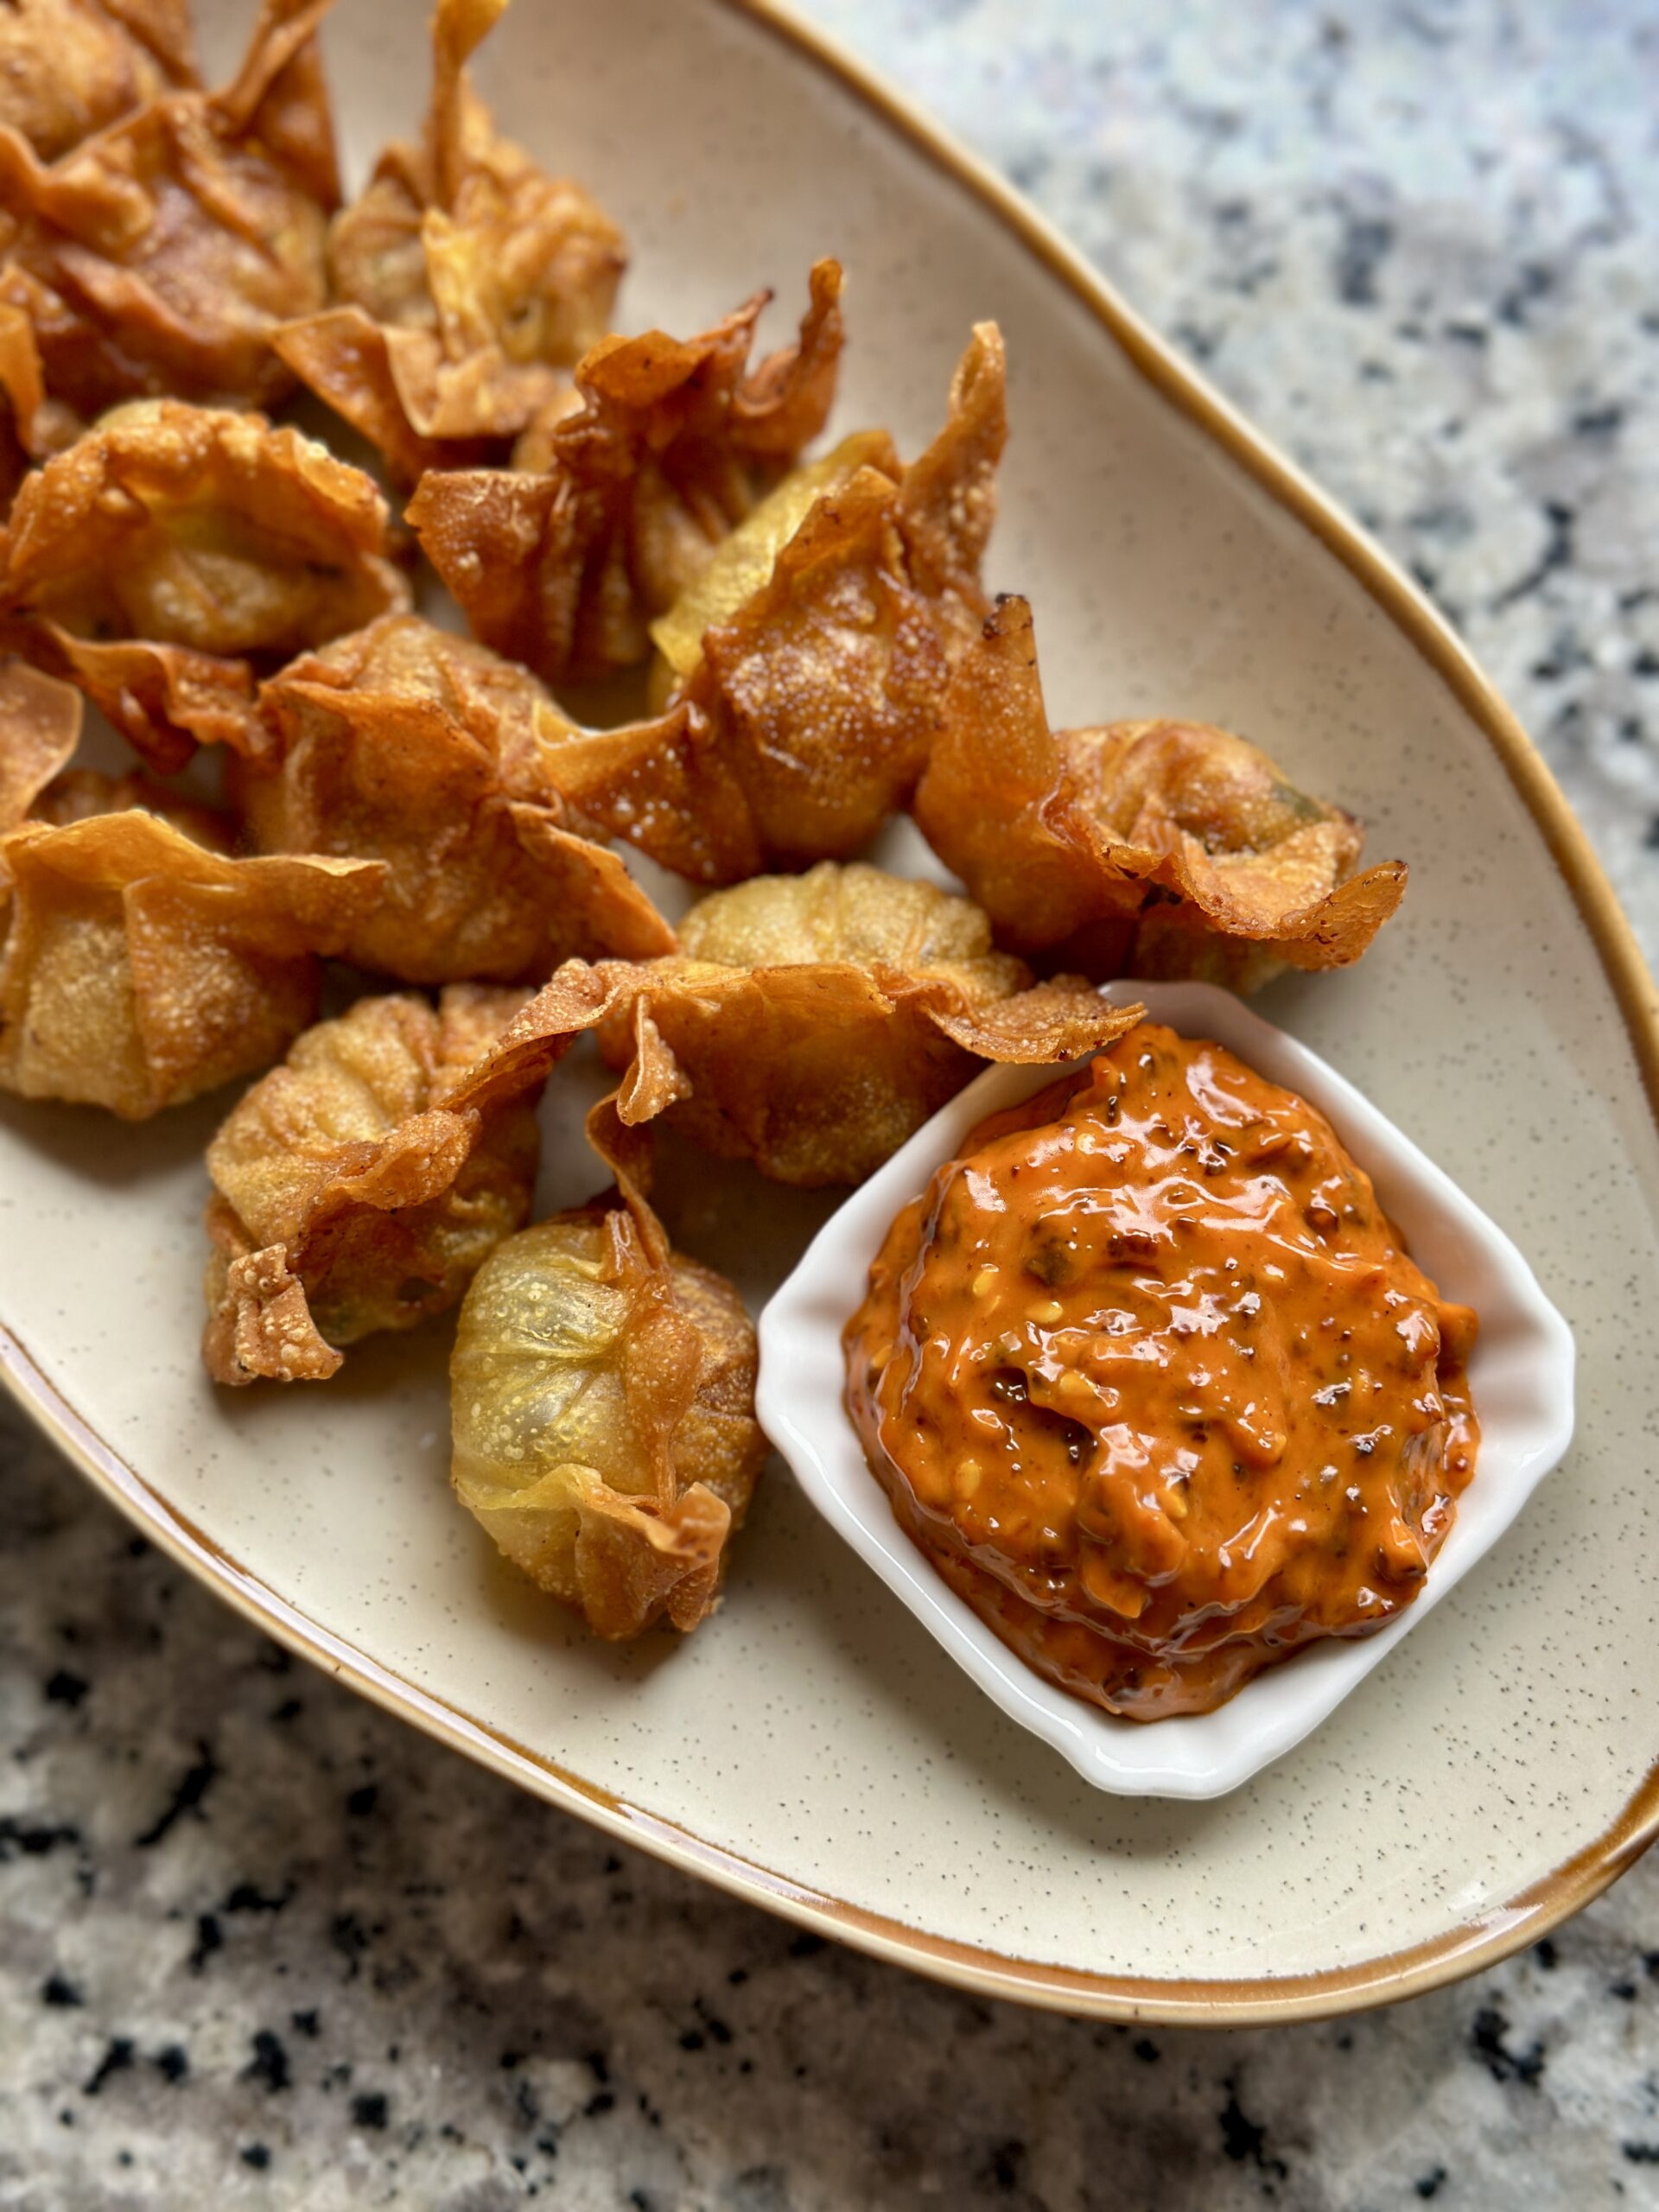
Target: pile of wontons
(811, 651)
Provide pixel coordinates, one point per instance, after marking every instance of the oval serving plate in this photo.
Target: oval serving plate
(812, 1749)
(1521, 1375)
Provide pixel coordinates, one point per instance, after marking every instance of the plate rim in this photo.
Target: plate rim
(1176, 2001)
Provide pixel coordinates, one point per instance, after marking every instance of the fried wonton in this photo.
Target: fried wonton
(674, 443)
(140, 968)
(603, 1388)
(175, 551)
(1159, 848)
(465, 279)
(405, 744)
(157, 256)
(814, 1022)
(812, 654)
(69, 66)
(358, 1187)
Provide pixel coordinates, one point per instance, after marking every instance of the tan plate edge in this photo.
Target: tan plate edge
(1189, 2002)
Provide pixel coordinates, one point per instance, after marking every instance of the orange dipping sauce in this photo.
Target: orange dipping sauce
(1150, 1377)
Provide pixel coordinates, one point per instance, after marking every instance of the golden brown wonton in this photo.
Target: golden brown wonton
(140, 968)
(404, 744)
(69, 66)
(674, 443)
(603, 1388)
(358, 1186)
(174, 550)
(464, 280)
(806, 703)
(814, 1022)
(157, 256)
(1149, 848)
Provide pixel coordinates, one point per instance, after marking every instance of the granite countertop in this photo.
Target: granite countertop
(257, 1939)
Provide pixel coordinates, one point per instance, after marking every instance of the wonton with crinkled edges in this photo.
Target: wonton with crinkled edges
(175, 551)
(405, 744)
(674, 443)
(139, 968)
(812, 1023)
(810, 655)
(1157, 848)
(603, 1387)
(157, 257)
(67, 67)
(466, 282)
(359, 1185)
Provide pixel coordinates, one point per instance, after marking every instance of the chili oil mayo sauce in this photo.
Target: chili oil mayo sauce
(1150, 1377)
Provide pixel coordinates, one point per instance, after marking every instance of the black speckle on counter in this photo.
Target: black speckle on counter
(1431, 2183)
(172, 2062)
(209, 1939)
(248, 1896)
(187, 1794)
(56, 1990)
(1242, 2138)
(63, 1688)
(1487, 2038)
(117, 2057)
(269, 2065)
(33, 1839)
(369, 2109)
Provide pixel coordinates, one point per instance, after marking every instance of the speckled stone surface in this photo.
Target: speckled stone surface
(260, 1945)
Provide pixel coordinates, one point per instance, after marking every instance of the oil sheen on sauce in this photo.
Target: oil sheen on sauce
(1152, 1379)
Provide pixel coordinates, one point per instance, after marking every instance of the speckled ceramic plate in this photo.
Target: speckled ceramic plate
(813, 1749)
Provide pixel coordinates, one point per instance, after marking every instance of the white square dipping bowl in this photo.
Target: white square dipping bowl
(1521, 1376)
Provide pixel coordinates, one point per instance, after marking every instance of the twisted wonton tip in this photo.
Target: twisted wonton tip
(1155, 848)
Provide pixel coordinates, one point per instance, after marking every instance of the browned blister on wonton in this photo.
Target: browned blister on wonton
(158, 256)
(404, 744)
(814, 1022)
(603, 1388)
(175, 551)
(358, 1186)
(1159, 848)
(465, 281)
(674, 442)
(811, 656)
(140, 968)
(69, 66)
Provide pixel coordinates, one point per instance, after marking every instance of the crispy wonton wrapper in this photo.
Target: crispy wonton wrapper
(812, 655)
(140, 968)
(174, 550)
(1150, 849)
(404, 744)
(673, 444)
(157, 256)
(358, 1186)
(69, 66)
(40, 728)
(603, 1387)
(815, 1023)
(465, 279)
